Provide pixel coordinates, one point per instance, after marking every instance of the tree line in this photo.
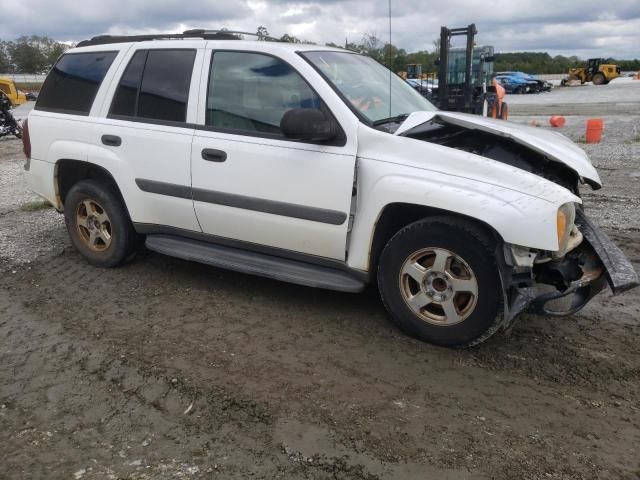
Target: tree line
(36, 54)
(33, 54)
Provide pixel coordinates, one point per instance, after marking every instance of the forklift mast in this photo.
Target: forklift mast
(444, 93)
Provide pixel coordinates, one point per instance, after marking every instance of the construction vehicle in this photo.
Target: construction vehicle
(15, 96)
(596, 71)
(464, 77)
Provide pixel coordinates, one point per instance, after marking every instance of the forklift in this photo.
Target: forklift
(464, 75)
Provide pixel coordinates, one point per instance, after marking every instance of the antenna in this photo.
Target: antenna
(390, 65)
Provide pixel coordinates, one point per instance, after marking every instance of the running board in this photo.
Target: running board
(255, 263)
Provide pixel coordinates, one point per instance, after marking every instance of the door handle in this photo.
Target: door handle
(212, 155)
(111, 140)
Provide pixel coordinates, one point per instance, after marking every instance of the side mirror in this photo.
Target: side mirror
(308, 124)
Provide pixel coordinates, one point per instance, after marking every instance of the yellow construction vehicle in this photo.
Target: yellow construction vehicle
(11, 91)
(596, 71)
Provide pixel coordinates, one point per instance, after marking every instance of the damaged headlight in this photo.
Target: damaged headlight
(565, 222)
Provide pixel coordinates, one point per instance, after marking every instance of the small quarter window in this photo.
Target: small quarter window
(155, 86)
(73, 83)
(124, 101)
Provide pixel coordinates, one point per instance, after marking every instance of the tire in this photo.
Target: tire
(475, 317)
(598, 79)
(98, 223)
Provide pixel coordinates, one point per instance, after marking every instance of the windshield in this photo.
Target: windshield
(365, 84)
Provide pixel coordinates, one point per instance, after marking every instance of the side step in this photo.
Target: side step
(255, 263)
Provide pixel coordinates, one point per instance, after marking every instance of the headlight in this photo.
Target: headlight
(564, 222)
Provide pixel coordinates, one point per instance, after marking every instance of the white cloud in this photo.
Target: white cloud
(586, 28)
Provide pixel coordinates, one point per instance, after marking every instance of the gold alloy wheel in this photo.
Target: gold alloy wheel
(438, 286)
(94, 225)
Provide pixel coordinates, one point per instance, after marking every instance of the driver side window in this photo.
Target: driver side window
(251, 92)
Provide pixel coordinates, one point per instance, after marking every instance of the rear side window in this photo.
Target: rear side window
(155, 86)
(73, 83)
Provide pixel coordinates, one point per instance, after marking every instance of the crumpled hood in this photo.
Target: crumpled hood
(551, 144)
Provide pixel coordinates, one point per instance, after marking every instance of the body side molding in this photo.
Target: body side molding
(314, 214)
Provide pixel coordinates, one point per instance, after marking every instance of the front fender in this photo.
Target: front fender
(518, 218)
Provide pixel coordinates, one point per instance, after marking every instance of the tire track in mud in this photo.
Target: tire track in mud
(249, 353)
(107, 416)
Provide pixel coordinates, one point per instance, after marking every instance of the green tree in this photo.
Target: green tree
(262, 32)
(5, 59)
(290, 39)
(34, 54)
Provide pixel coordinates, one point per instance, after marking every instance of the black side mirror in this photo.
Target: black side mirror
(308, 124)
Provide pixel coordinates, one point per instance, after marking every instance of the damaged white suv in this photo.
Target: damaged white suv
(315, 166)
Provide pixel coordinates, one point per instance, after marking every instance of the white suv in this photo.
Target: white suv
(316, 166)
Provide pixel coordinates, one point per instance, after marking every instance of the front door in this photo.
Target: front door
(250, 183)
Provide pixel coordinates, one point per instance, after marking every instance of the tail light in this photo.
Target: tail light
(26, 143)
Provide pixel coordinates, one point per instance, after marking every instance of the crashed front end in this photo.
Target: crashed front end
(556, 283)
(590, 262)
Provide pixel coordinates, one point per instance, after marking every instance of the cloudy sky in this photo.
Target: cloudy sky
(585, 28)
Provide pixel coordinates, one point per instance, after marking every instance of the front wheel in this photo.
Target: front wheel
(439, 280)
(598, 79)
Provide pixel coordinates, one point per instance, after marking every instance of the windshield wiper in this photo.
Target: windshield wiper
(396, 119)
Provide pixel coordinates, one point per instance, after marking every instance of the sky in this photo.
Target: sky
(586, 28)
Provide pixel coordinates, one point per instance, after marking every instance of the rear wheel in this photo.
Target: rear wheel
(98, 223)
(439, 281)
(598, 79)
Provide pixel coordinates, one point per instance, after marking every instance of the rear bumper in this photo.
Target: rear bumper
(601, 263)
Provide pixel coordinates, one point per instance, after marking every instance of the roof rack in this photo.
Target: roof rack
(187, 34)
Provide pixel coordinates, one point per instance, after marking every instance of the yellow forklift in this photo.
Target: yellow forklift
(596, 71)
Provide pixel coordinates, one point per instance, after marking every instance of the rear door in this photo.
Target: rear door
(148, 129)
(252, 184)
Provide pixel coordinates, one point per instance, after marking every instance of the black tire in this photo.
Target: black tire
(122, 236)
(465, 241)
(598, 79)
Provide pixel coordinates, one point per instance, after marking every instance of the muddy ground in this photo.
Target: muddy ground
(168, 369)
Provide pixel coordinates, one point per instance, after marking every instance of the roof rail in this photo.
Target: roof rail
(187, 34)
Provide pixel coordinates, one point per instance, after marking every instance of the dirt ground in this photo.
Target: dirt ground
(167, 369)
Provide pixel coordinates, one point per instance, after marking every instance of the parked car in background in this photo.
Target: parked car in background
(15, 96)
(513, 84)
(31, 96)
(316, 166)
(540, 85)
(422, 86)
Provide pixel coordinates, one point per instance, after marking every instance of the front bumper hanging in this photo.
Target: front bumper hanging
(602, 263)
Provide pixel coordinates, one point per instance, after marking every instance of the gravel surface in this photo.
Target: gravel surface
(621, 96)
(165, 369)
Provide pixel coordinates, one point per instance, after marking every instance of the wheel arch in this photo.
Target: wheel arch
(398, 215)
(69, 171)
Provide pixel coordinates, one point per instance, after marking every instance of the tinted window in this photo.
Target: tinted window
(155, 85)
(73, 83)
(251, 92)
(124, 100)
